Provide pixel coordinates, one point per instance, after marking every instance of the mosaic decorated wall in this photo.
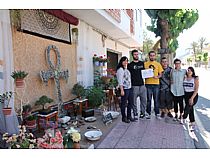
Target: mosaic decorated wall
(29, 55)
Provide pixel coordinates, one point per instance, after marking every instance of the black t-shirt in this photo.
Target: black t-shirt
(135, 70)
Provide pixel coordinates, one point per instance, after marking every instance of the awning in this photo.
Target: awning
(63, 16)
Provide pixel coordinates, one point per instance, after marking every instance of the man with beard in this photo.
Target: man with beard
(152, 83)
(166, 97)
(137, 82)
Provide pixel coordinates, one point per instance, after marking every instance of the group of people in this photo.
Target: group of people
(168, 87)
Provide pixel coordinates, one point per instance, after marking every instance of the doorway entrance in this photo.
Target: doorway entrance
(113, 57)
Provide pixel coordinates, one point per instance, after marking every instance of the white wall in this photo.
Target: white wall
(138, 29)
(90, 43)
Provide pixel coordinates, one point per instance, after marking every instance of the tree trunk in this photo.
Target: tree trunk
(164, 36)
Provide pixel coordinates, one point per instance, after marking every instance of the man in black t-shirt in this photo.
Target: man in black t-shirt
(138, 87)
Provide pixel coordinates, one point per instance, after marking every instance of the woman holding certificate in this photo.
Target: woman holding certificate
(124, 81)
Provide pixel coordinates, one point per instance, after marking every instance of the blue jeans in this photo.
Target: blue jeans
(124, 99)
(152, 90)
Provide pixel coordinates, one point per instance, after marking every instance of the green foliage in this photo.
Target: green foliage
(95, 96)
(189, 59)
(19, 74)
(27, 108)
(198, 58)
(205, 57)
(178, 20)
(15, 16)
(147, 43)
(43, 100)
(78, 90)
(23, 140)
(31, 118)
(113, 82)
(5, 98)
(67, 141)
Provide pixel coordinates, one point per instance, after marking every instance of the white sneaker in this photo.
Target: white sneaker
(158, 117)
(147, 116)
(191, 127)
(181, 121)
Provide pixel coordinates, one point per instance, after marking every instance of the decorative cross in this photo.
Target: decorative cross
(55, 73)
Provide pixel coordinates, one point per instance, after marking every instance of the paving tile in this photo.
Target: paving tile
(146, 134)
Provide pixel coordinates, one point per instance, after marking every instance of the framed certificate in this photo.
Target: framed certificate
(147, 73)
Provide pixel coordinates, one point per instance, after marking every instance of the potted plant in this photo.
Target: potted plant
(19, 78)
(72, 139)
(30, 120)
(26, 109)
(48, 141)
(42, 101)
(5, 99)
(95, 96)
(78, 90)
(23, 140)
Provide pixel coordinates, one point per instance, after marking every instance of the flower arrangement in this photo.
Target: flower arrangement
(72, 136)
(111, 72)
(5, 98)
(50, 142)
(100, 58)
(76, 137)
(23, 140)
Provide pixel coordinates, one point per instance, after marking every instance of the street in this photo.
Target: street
(202, 110)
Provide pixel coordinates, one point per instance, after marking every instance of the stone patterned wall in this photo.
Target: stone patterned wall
(37, 21)
(29, 55)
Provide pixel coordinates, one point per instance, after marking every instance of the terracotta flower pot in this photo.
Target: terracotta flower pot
(31, 123)
(76, 145)
(7, 111)
(19, 83)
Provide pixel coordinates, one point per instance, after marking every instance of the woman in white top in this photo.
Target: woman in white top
(191, 84)
(124, 82)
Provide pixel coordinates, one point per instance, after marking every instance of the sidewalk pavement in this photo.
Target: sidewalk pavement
(148, 134)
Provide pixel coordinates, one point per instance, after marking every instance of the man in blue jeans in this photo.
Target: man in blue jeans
(152, 83)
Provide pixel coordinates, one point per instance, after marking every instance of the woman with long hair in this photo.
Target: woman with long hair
(124, 81)
(191, 84)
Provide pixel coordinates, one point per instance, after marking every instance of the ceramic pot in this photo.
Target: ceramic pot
(19, 83)
(76, 145)
(7, 111)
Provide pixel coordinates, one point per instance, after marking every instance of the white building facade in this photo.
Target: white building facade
(109, 33)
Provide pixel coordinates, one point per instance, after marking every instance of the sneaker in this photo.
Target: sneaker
(182, 121)
(162, 115)
(170, 115)
(142, 116)
(131, 119)
(192, 127)
(157, 116)
(176, 117)
(147, 116)
(185, 121)
(135, 118)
